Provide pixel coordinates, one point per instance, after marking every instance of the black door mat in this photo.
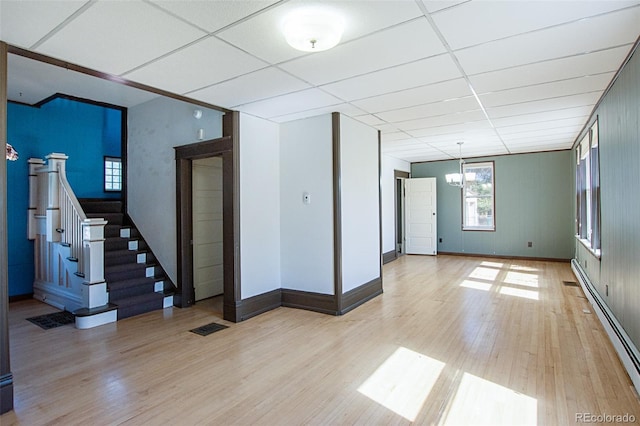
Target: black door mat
(206, 330)
(53, 320)
(570, 283)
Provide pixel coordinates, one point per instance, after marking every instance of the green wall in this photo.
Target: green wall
(618, 268)
(533, 202)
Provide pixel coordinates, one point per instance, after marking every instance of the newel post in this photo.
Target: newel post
(56, 165)
(34, 165)
(94, 286)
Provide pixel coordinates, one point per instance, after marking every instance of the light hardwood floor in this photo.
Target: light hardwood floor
(453, 340)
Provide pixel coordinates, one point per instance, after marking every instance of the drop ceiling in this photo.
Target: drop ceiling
(503, 76)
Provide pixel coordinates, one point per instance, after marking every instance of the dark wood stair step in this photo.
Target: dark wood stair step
(136, 305)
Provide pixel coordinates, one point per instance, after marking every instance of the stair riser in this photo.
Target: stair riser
(116, 295)
(140, 308)
(137, 272)
(132, 257)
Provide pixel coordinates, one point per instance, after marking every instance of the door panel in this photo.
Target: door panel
(208, 270)
(420, 216)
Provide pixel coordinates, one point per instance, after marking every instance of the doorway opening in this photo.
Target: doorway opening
(207, 212)
(207, 220)
(398, 197)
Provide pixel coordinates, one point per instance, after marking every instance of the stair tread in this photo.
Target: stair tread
(128, 266)
(117, 284)
(122, 252)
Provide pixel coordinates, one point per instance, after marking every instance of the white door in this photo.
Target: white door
(420, 231)
(208, 269)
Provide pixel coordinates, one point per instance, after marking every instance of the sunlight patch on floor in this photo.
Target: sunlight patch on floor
(480, 402)
(481, 273)
(518, 292)
(403, 382)
(523, 268)
(519, 278)
(492, 264)
(476, 285)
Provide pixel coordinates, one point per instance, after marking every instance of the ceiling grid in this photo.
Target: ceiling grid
(502, 76)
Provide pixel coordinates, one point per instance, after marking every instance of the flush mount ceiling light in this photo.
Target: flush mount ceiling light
(313, 30)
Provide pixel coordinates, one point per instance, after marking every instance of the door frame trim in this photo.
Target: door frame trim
(225, 147)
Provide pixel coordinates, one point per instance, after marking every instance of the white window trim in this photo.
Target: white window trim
(492, 227)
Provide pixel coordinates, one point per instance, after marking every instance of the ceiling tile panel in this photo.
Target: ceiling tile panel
(258, 85)
(111, 36)
(551, 124)
(436, 5)
(542, 133)
(346, 109)
(371, 53)
(485, 21)
(540, 117)
(566, 138)
(292, 103)
(23, 23)
(470, 127)
(587, 35)
(261, 35)
(395, 136)
(182, 71)
(213, 15)
(557, 69)
(369, 119)
(537, 148)
(417, 96)
(426, 71)
(585, 99)
(554, 89)
(441, 120)
(430, 110)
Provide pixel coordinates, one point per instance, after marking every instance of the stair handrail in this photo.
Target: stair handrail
(56, 216)
(72, 218)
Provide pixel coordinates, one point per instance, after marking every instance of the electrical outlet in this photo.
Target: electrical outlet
(530, 244)
(440, 240)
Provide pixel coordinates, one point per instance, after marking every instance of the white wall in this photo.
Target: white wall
(306, 165)
(360, 189)
(259, 206)
(389, 164)
(154, 128)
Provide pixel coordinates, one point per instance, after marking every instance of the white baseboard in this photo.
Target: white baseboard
(626, 349)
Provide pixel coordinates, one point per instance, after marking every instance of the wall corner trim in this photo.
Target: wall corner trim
(359, 295)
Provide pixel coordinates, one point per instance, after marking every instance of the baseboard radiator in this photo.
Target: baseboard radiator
(627, 351)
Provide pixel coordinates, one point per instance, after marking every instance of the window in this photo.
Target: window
(478, 201)
(112, 174)
(588, 190)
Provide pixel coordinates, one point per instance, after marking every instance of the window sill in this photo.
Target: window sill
(587, 244)
(480, 229)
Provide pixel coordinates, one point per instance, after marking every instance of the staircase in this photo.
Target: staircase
(135, 280)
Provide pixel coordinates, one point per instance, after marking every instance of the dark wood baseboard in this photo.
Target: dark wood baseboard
(317, 302)
(19, 297)
(389, 256)
(6, 393)
(259, 304)
(499, 256)
(359, 295)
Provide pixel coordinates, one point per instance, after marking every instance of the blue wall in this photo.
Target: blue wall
(533, 202)
(82, 131)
